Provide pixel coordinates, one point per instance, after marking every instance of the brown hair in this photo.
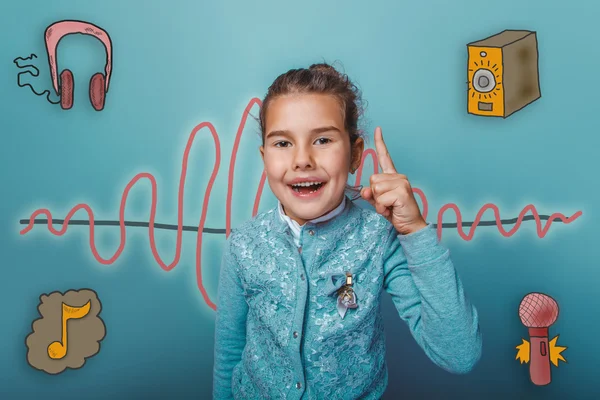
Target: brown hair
(323, 79)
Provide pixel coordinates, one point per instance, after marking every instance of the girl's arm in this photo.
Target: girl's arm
(429, 296)
(230, 326)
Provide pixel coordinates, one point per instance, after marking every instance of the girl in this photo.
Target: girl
(299, 293)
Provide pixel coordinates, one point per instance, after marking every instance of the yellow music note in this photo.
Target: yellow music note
(57, 350)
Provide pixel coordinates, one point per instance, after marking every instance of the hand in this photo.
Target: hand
(391, 194)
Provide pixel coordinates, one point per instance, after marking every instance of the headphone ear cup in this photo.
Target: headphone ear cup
(67, 86)
(97, 91)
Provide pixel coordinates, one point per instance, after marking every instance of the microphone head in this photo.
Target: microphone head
(538, 310)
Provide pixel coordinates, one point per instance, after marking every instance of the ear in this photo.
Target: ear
(357, 152)
(262, 152)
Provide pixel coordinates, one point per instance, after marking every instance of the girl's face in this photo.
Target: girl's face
(306, 143)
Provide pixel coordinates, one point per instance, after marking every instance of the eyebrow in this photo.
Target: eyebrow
(315, 131)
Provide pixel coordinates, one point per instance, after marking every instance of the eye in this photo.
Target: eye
(323, 140)
(276, 144)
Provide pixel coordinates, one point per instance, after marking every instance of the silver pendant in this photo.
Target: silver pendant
(346, 297)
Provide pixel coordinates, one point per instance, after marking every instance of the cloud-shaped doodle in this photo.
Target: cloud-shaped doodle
(69, 332)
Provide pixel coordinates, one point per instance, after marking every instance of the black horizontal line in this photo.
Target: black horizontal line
(189, 228)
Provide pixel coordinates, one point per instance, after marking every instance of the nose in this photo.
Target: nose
(303, 158)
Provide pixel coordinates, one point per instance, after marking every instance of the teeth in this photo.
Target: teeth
(298, 190)
(306, 184)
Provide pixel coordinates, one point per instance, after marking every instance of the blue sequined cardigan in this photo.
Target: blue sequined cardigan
(278, 334)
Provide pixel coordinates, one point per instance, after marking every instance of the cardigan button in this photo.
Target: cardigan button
(298, 385)
(311, 232)
(295, 334)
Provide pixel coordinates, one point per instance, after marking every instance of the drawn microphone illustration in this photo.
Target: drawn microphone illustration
(538, 312)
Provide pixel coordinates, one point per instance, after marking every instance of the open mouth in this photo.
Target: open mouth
(307, 187)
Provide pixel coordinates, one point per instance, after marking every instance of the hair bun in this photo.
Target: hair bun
(322, 67)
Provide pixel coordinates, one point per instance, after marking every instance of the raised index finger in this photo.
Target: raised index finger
(387, 165)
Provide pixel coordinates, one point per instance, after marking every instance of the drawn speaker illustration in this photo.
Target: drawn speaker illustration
(503, 73)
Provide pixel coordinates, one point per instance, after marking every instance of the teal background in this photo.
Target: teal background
(179, 63)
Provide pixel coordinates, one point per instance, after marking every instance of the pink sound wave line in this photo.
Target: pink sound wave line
(168, 267)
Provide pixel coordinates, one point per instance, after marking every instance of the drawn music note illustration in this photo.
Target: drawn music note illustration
(58, 349)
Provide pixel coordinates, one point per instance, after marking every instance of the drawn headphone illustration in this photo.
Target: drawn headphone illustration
(64, 87)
